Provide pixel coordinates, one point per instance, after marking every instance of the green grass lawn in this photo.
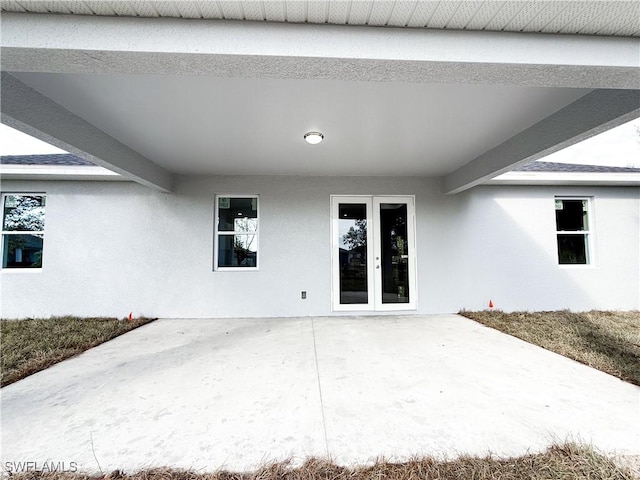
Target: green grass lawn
(608, 341)
(28, 346)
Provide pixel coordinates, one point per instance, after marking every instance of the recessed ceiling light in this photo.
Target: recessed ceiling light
(313, 138)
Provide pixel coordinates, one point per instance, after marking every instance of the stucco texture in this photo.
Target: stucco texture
(115, 248)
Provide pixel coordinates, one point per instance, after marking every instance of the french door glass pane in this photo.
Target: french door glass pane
(394, 250)
(352, 244)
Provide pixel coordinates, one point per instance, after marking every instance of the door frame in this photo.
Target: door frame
(374, 275)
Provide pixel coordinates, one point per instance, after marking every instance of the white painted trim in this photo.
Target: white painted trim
(590, 233)
(374, 275)
(409, 200)
(20, 232)
(8, 271)
(566, 178)
(216, 268)
(336, 306)
(54, 172)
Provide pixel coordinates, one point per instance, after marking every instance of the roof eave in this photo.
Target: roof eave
(52, 172)
(567, 178)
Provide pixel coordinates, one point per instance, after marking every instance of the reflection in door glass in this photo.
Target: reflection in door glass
(352, 245)
(394, 253)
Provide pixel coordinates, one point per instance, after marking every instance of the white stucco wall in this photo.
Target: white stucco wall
(112, 248)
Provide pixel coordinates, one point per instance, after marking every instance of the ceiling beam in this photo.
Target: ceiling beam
(590, 115)
(124, 45)
(27, 110)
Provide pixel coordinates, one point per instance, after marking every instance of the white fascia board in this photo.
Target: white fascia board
(54, 172)
(125, 45)
(590, 115)
(567, 178)
(30, 112)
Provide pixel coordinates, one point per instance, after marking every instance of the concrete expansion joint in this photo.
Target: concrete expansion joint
(315, 353)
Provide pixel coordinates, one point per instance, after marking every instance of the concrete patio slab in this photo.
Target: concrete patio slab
(233, 393)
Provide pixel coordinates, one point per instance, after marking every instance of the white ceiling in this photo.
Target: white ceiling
(620, 18)
(220, 97)
(190, 124)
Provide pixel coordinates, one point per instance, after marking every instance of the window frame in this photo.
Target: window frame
(4, 232)
(217, 234)
(588, 233)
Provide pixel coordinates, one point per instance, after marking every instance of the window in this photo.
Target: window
(22, 230)
(236, 238)
(573, 231)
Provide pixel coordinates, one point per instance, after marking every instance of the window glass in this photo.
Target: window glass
(22, 230)
(395, 253)
(572, 249)
(352, 241)
(23, 213)
(237, 232)
(237, 251)
(572, 231)
(571, 215)
(237, 214)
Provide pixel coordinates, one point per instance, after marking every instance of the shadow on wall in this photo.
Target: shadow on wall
(507, 252)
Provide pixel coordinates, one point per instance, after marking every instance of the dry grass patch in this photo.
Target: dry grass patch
(608, 341)
(31, 345)
(569, 461)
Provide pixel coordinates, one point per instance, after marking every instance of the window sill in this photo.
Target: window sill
(4, 271)
(577, 267)
(236, 269)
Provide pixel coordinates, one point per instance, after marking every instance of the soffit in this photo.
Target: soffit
(222, 116)
(208, 125)
(607, 18)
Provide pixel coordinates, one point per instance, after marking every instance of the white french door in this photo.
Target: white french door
(373, 253)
